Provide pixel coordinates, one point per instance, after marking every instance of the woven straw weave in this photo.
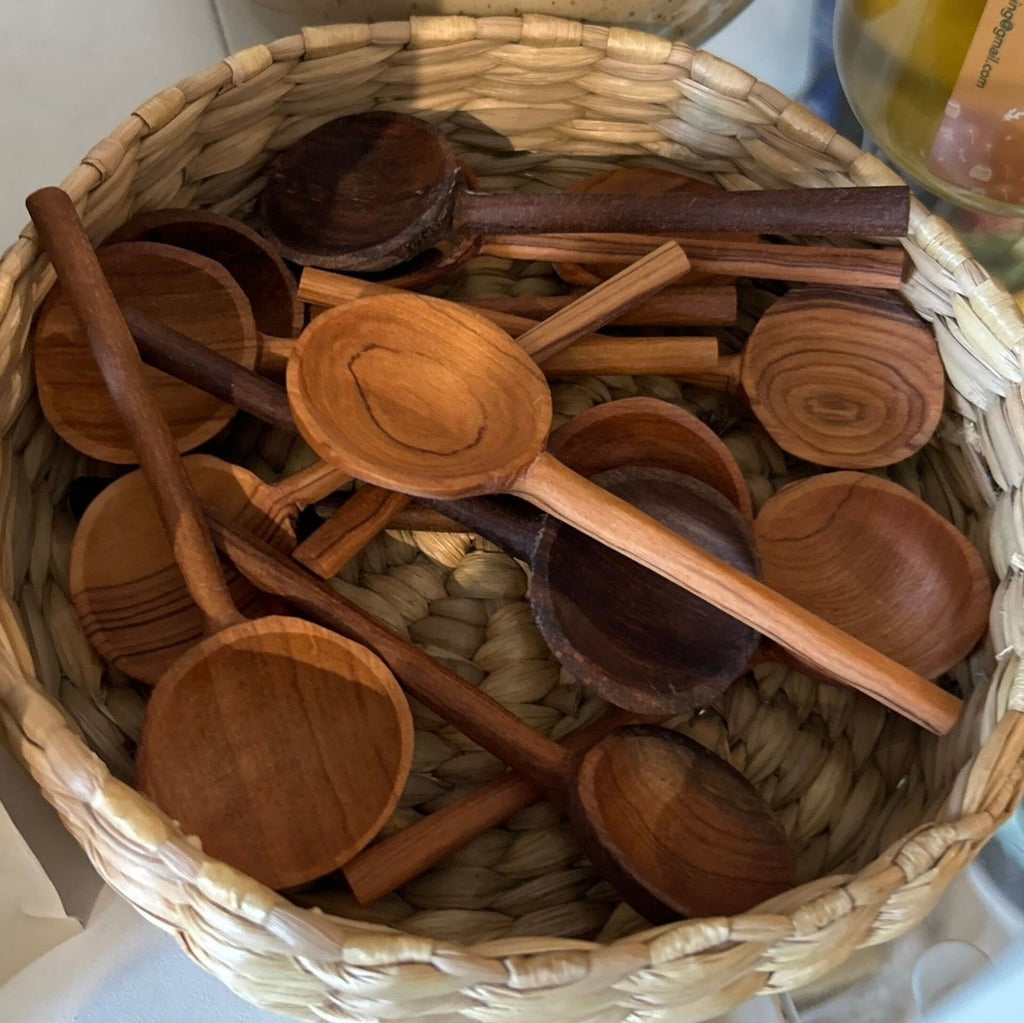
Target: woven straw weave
(516, 925)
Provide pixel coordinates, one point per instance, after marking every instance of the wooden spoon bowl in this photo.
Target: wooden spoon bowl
(652, 433)
(252, 261)
(640, 641)
(870, 557)
(126, 588)
(721, 819)
(492, 404)
(848, 378)
(191, 293)
(238, 745)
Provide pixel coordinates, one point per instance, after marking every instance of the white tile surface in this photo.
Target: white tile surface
(70, 70)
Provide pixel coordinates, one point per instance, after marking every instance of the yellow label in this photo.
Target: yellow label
(980, 141)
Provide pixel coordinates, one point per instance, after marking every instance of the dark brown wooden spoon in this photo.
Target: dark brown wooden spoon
(675, 829)
(870, 557)
(283, 746)
(635, 638)
(251, 260)
(441, 403)
(369, 191)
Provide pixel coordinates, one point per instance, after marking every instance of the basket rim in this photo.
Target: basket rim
(72, 777)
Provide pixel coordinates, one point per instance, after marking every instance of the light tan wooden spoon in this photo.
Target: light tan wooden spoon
(283, 746)
(441, 403)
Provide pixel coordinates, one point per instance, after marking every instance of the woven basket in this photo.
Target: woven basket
(516, 926)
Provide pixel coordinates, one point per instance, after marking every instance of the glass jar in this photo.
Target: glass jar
(939, 85)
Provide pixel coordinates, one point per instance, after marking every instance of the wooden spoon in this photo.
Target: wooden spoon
(873, 559)
(187, 291)
(671, 826)
(361, 518)
(368, 191)
(441, 403)
(848, 378)
(635, 638)
(130, 596)
(250, 259)
(283, 746)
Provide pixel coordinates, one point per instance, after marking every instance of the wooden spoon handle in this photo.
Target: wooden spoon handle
(349, 529)
(546, 764)
(810, 264)
(173, 352)
(877, 211)
(512, 524)
(308, 485)
(515, 314)
(63, 238)
(388, 864)
(647, 276)
(828, 650)
(273, 356)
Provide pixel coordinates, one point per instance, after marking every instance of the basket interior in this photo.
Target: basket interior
(847, 778)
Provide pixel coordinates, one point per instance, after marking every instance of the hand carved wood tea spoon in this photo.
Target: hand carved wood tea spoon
(189, 292)
(281, 744)
(674, 828)
(876, 561)
(441, 403)
(252, 261)
(369, 191)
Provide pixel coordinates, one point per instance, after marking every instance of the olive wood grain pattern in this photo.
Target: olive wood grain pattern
(873, 559)
(809, 264)
(127, 590)
(252, 261)
(453, 408)
(369, 191)
(204, 769)
(700, 887)
(189, 292)
(843, 377)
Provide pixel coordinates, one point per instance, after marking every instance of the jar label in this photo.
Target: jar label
(980, 141)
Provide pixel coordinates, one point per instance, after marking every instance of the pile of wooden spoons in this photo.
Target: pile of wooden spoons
(283, 739)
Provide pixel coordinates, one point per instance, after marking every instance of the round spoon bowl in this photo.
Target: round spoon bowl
(326, 191)
(848, 378)
(652, 433)
(656, 805)
(641, 642)
(250, 259)
(187, 291)
(443, 426)
(870, 557)
(216, 751)
(127, 590)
